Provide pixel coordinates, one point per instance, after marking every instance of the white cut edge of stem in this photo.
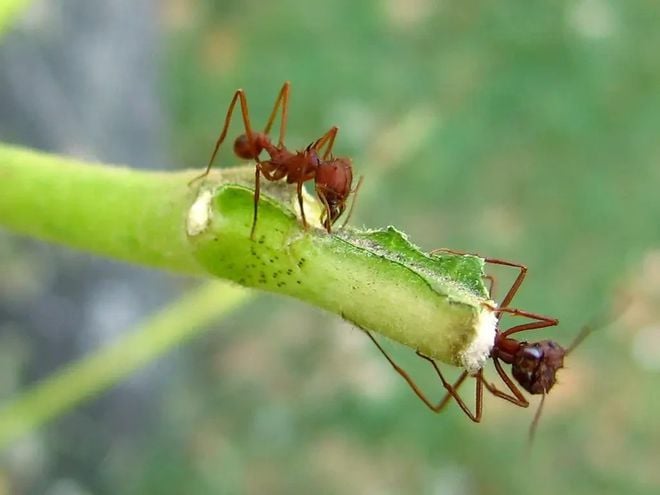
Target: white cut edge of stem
(474, 357)
(199, 214)
(310, 204)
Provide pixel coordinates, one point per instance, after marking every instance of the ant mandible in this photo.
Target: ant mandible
(333, 177)
(533, 365)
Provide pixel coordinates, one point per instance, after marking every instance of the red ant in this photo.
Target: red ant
(533, 365)
(333, 177)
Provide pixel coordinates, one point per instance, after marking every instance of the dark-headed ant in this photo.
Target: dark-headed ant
(534, 365)
(333, 176)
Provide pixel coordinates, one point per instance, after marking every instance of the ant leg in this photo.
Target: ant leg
(517, 398)
(355, 192)
(542, 321)
(282, 99)
(239, 95)
(433, 407)
(325, 215)
(584, 333)
(535, 421)
(328, 139)
(513, 290)
(261, 169)
(451, 391)
(257, 193)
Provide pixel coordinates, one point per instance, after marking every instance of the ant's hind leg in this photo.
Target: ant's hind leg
(239, 95)
(452, 390)
(283, 101)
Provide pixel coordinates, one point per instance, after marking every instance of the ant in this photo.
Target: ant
(333, 176)
(533, 364)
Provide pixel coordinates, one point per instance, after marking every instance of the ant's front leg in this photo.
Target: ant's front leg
(517, 398)
(328, 139)
(324, 219)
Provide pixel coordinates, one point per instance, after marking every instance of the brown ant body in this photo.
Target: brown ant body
(333, 177)
(533, 365)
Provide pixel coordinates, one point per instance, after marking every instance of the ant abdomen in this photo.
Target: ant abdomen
(243, 149)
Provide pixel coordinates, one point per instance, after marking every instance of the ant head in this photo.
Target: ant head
(535, 365)
(334, 179)
(244, 150)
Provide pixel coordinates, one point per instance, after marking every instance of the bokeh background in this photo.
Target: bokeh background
(520, 130)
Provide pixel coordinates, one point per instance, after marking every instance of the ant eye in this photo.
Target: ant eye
(533, 353)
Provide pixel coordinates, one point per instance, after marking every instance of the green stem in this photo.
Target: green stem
(376, 279)
(112, 211)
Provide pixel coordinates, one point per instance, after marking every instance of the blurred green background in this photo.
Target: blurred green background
(520, 130)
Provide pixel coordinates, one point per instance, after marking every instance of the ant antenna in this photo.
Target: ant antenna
(579, 338)
(354, 192)
(535, 422)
